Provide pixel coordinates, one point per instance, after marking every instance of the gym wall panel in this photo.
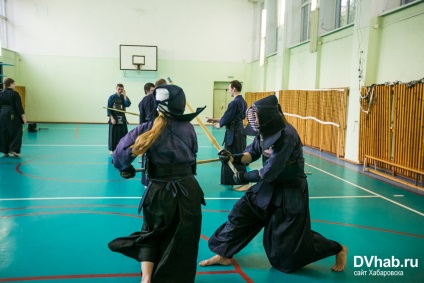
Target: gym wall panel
(302, 68)
(401, 54)
(69, 51)
(75, 89)
(335, 59)
(183, 30)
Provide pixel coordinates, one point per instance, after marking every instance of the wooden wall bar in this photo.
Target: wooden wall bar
(324, 105)
(393, 128)
(375, 126)
(408, 132)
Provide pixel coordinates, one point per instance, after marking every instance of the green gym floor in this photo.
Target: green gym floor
(62, 201)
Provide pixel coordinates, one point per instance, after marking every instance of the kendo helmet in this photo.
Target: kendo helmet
(265, 117)
(171, 101)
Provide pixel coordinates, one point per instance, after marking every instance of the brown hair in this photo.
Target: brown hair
(160, 82)
(7, 82)
(147, 87)
(236, 84)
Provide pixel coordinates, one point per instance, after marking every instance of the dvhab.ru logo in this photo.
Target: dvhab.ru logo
(376, 262)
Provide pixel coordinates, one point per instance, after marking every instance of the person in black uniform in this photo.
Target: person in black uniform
(117, 121)
(167, 244)
(147, 104)
(278, 202)
(235, 140)
(12, 116)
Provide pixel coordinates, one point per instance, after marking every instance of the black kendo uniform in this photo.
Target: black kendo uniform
(11, 112)
(120, 129)
(278, 202)
(172, 201)
(147, 108)
(235, 140)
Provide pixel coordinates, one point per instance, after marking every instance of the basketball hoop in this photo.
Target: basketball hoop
(138, 61)
(138, 58)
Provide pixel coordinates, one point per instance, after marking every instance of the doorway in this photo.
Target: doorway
(221, 98)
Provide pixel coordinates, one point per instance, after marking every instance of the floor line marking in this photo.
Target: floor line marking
(138, 197)
(63, 145)
(366, 190)
(80, 145)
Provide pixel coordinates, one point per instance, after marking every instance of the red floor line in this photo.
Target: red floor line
(369, 228)
(79, 276)
(216, 272)
(235, 264)
(241, 272)
(94, 276)
(204, 237)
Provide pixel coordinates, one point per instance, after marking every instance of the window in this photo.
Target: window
(265, 26)
(345, 12)
(393, 4)
(263, 37)
(336, 14)
(3, 35)
(305, 20)
(271, 27)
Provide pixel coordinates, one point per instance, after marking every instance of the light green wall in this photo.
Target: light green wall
(302, 71)
(257, 76)
(401, 36)
(334, 53)
(73, 89)
(271, 81)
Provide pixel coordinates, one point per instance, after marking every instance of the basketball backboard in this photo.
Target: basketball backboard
(138, 57)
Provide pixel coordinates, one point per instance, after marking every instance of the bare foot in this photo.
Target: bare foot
(242, 188)
(340, 260)
(215, 260)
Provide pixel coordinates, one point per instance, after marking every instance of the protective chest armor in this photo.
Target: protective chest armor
(119, 105)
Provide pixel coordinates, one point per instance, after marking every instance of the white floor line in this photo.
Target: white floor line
(325, 172)
(368, 191)
(329, 197)
(66, 198)
(64, 145)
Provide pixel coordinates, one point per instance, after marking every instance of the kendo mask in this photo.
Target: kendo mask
(171, 101)
(265, 117)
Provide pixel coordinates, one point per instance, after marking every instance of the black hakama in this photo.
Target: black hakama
(288, 239)
(120, 129)
(170, 233)
(116, 132)
(11, 112)
(235, 140)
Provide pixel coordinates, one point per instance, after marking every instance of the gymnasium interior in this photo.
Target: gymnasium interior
(348, 75)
